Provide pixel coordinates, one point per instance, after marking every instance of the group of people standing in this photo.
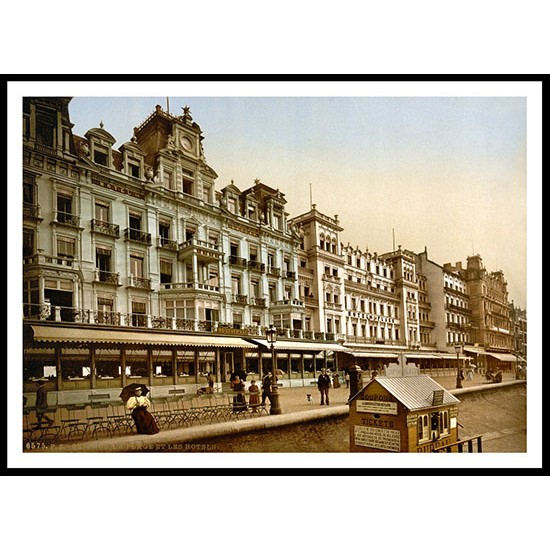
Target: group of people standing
(237, 382)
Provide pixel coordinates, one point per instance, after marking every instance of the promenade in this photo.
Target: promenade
(295, 405)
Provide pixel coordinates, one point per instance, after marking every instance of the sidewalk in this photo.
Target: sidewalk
(295, 408)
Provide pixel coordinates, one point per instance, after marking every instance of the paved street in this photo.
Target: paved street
(500, 420)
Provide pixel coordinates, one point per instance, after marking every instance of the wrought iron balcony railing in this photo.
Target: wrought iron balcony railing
(66, 218)
(106, 228)
(139, 282)
(137, 236)
(109, 277)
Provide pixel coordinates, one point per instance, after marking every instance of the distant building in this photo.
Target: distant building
(449, 300)
(518, 317)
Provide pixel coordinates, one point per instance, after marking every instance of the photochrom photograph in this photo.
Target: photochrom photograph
(229, 273)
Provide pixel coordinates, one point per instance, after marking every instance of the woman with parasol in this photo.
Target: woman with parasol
(138, 405)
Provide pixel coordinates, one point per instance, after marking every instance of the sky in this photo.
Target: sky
(451, 167)
(445, 173)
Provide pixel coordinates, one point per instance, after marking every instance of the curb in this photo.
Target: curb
(197, 433)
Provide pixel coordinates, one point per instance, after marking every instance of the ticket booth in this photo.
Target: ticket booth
(408, 414)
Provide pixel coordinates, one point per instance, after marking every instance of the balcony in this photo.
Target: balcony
(107, 277)
(167, 244)
(310, 301)
(256, 266)
(42, 259)
(351, 339)
(289, 274)
(51, 313)
(289, 302)
(203, 250)
(239, 299)
(191, 286)
(65, 218)
(258, 302)
(31, 211)
(271, 270)
(105, 228)
(137, 236)
(105, 317)
(237, 262)
(139, 282)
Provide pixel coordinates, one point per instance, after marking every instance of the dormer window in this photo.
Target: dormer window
(101, 156)
(134, 168)
(252, 212)
(232, 205)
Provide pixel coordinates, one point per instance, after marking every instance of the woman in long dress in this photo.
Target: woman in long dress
(254, 390)
(138, 405)
(239, 400)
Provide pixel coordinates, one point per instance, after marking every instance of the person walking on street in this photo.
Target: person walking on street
(323, 384)
(266, 388)
(42, 403)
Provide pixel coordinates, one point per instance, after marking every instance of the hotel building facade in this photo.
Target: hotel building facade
(136, 268)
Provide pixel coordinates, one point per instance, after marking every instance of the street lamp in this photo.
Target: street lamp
(458, 347)
(271, 335)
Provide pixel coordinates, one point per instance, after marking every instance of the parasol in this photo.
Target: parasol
(129, 390)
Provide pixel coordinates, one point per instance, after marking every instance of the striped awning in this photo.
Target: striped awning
(424, 356)
(475, 349)
(374, 354)
(503, 356)
(82, 335)
(300, 345)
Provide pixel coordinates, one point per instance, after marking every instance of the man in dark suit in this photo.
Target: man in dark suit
(323, 384)
(266, 388)
(41, 404)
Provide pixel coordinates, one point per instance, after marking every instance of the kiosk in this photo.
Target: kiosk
(405, 414)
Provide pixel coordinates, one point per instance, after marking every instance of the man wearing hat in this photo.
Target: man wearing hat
(42, 403)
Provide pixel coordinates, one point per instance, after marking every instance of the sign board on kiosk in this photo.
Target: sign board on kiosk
(402, 414)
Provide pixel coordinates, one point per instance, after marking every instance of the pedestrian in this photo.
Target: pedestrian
(323, 384)
(266, 388)
(41, 404)
(144, 420)
(254, 390)
(239, 400)
(210, 380)
(469, 374)
(336, 380)
(242, 375)
(374, 373)
(347, 379)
